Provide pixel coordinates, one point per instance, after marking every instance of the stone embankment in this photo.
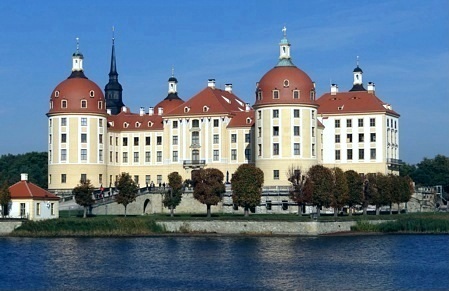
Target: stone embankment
(7, 227)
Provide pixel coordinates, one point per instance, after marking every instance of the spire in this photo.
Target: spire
(357, 84)
(77, 58)
(284, 50)
(113, 75)
(172, 86)
(113, 90)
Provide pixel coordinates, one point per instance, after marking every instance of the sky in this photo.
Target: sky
(403, 48)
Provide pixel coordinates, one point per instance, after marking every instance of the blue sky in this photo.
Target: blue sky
(403, 47)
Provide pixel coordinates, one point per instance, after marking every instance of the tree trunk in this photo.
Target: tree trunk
(365, 210)
(125, 210)
(299, 209)
(208, 211)
(391, 208)
(377, 210)
(335, 211)
(85, 212)
(399, 210)
(318, 211)
(350, 211)
(172, 211)
(246, 212)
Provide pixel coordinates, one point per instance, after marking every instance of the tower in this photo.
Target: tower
(357, 84)
(113, 90)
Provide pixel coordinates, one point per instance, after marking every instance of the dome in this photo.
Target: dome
(173, 79)
(293, 86)
(77, 94)
(358, 70)
(168, 104)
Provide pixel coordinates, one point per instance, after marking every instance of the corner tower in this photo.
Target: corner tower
(286, 126)
(113, 90)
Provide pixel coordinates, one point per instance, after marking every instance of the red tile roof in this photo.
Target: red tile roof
(240, 119)
(28, 190)
(126, 121)
(352, 102)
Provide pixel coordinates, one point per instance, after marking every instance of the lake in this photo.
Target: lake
(371, 262)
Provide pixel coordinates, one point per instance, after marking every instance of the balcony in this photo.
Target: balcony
(394, 164)
(194, 164)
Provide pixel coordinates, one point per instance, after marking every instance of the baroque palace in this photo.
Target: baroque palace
(93, 135)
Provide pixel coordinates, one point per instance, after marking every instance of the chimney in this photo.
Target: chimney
(247, 107)
(124, 108)
(228, 88)
(150, 111)
(24, 177)
(334, 89)
(108, 111)
(371, 87)
(142, 111)
(160, 111)
(211, 83)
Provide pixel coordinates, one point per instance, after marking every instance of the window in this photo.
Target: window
(296, 130)
(136, 141)
(100, 155)
(83, 104)
(275, 94)
(275, 149)
(38, 209)
(259, 114)
(276, 174)
(373, 154)
(63, 178)
(337, 123)
(175, 124)
(296, 113)
(312, 95)
(56, 93)
(388, 122)
(116, 141)
(313, 149)
(259, 94)
(110, 156)
(91, 93)
(195, 123)
(372, 122)
(83, 154)
(136, 179)
(313, 114)
(337, 138)
(348, 123)
(147, 140)
(361, 137)
(259, 132)
(295, 94)
(100, 179)
(159, 156)
(275, 130)
(64, 121)
(136, 157)
(373, 137)
(175, 140)
(63, 138)
(349, 138)
(360, 122)
(349, 154)
(83, 178)
(248, 154)
(22, 210)
(275, 113)
(83, 121)
(147, 157)
(195, 155)
(216, 139)
(159, 140)
(296, 149)
(216, 155)
(233, 154)
(233, 138)
(147, 179)
(159, 179)
(286, 83)
(337, 155)
(125, 157)
(259, 149)
(100, 104)
(361, 154)
(83, 137)
(175, 156)
(116, 157)
(195, 138)
(100, 139)
(125, 141)
(64, 104)
(247, 138)
(100, 122)
(216, 122)
(313, 131)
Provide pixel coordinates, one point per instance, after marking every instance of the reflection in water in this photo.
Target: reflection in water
(226, 263)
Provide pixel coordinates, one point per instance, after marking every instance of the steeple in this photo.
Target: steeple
(172, 86)
(113, 90)
(284, 51)
(357, 84)
(77, 62)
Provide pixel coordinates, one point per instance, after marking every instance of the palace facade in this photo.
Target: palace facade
(93, 135)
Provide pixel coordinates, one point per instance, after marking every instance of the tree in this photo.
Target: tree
(369, 191)
(127, 190)
(5, 198)
(33, 163)
(83, 195)
(321, 186)
(173, 196)
(208, 187)
(355, 189)
(297, 193)
(340, 190)
(246, 185)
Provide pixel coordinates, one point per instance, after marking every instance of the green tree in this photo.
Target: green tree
(127, 190)
(369, 191)
(208, 187)
(297, 192)
(33, 163)
(246, 185)
(173, 196)
(83, 195)
(5, 198)
(321, 186)
(355, 189)
(340, 190)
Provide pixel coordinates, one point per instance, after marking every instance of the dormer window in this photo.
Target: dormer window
(205, 108)
(63, 103)
(259, 94)
(56, 93)
(125, 124)
(275, 94)
(312, 95)
(51, 104)
(286, 83)
(248, 120)
(83, 104)
(92, 93)
(100, 104)
(186, 109)
(137, 124)
(295, 94)
(150, 124)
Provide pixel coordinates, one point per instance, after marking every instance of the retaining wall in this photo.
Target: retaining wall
(7, 227)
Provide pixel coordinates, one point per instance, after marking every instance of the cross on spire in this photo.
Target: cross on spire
(284, 31)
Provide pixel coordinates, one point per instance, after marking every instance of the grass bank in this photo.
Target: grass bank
(408, 223)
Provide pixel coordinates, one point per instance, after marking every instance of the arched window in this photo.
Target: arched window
(195, 155)
(92, 93)
(56, 93)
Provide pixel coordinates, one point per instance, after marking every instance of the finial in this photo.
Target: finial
(172, 70)
(77, 44)
(284, 30)
(113, 36)
(357, 61)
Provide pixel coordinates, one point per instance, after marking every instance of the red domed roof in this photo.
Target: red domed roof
(77, 94)
(286, 80)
